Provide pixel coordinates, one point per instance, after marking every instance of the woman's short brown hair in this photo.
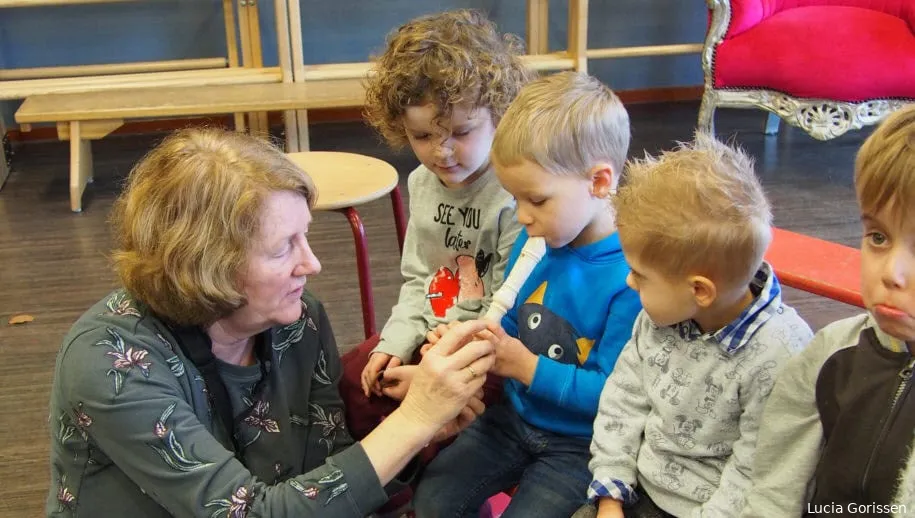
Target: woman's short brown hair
(188, 216)
(447, 59)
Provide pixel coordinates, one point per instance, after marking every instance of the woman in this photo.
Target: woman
(207, 386)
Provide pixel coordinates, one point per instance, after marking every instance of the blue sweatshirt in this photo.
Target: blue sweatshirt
(576, 312)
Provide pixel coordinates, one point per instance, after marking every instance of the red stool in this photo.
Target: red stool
(345, 180)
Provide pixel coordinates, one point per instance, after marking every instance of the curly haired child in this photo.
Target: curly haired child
(440, 87)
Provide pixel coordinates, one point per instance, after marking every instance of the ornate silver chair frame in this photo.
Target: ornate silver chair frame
(823, 119)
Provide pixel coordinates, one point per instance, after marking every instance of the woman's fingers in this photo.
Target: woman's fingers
(457, 337)
(476, 358)
(486, 334)
(472, 354)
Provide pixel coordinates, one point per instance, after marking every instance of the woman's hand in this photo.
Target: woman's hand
(474, 409)
(451, 373)
(434, 335)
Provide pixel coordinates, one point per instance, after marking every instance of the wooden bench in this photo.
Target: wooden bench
(816, 266)
(89, 116)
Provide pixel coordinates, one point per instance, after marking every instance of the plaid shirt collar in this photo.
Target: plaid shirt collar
(766, 303)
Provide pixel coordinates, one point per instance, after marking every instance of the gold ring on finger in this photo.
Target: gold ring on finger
(472, 372)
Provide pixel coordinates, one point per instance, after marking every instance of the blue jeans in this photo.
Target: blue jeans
(500, 451)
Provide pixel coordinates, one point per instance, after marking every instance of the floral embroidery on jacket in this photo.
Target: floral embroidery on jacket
(311, 488)
(291, 334)
(173, 453)
(83, 421)
(235, 506)
(64, 429)
(259, 419)
(65, 498)
(174, 362)
(120, 304)
(321, 375)
(125, 359)
(330, 422)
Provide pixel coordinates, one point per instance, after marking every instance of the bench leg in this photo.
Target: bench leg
(80, 166)
(4, 158)
(292, 131)
(301, 120)
(240, 122)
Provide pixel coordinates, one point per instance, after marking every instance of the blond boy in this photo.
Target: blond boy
(677, 423)
(559, 151)
(838, 427)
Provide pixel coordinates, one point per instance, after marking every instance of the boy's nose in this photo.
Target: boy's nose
(630, 281)
(524, 217)
(899, 265)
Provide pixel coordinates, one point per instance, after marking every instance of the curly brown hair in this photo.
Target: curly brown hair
(447, 58)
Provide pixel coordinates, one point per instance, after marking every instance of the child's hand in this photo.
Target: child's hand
(513, 359)
(377, 363)
(395, 381)
(609, 508)
(433, 335)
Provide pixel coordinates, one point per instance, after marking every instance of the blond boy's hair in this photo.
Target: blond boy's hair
(696, 210)
(885, 166)
(566, 123)
(450, 58)
(186, 223)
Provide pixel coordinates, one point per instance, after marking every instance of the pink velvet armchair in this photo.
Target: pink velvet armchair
(826, 66)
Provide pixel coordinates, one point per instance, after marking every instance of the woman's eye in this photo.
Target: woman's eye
(282, 251)
(461, 133)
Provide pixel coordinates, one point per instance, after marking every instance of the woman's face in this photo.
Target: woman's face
(279, 261)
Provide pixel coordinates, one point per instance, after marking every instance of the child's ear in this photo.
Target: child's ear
(603, 182)
(704, 290)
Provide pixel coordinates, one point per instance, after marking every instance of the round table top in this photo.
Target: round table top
(346, 179)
